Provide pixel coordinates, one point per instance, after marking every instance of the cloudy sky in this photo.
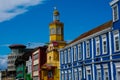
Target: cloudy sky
(27, 21)
(11, 8)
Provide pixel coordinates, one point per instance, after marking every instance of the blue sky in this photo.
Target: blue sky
(27, 21)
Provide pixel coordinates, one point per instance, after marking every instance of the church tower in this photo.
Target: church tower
(56, 27)
(52, 67)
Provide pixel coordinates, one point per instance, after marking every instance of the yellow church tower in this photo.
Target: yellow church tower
(51, 69)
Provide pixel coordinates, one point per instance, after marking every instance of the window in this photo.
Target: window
(69, 55)
(97, 46)
(75, 75)
(88, 49)
(80, 75)
(15, 50)
(79, 51)
(115, 12)
(118, 75)
(35, 78)
(35, 56)
(35, 68)
(75, 54)
(89, 76)
(50, 74)
(66, 76)
(104, 44)
(106, 76)
(70, 75)
(65, 53)
(62, 57)
(116, 41)
(62, 76)
(98, 74)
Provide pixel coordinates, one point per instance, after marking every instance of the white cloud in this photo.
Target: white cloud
(11, 8)
(34, 44)
(3, 61)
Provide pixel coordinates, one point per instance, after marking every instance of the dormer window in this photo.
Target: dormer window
(115, 12)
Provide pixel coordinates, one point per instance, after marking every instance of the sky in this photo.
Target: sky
(27, 21)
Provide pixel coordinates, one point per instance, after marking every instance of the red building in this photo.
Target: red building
(39, 57)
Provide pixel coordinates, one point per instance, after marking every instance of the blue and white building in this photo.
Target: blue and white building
(94, 55)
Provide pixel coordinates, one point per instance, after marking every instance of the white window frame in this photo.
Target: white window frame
(88, 68)
(62, 57)
(97, 39)
(89, 74)
(118, 70)
(80, 74)
(116, 5)
(69, 75)
(62, 75)
(65, 53)
(117, 66)
(75, 53)
(69, 55)
(116, 34)
(106, 70)
(79, 51)
(75, 74)
(104, 39)
(66, 75)
(99, 76)
(87, 48)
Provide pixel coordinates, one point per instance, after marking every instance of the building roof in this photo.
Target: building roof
(17, 46)
(93, 31)
(40, 47)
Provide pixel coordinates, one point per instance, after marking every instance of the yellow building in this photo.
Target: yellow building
(51, 69)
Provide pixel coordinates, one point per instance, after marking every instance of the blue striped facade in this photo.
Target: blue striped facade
(103, 60)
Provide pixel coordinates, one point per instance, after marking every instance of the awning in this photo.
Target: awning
(48, 66)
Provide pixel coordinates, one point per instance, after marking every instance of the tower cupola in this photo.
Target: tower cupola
(56, 14)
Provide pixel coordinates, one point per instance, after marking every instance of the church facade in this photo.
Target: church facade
(94, 55)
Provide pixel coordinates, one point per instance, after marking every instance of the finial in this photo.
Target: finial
(55, 7)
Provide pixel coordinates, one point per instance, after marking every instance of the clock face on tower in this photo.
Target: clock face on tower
(52, 31)
(58, 30)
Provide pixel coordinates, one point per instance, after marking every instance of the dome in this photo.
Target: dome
(56, 12)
